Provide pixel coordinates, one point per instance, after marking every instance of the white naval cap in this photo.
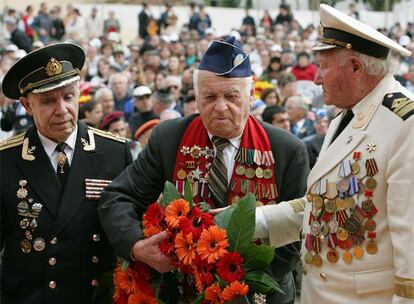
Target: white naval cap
(340, 30)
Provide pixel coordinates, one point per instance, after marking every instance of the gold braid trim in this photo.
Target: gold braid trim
(108, 135)
(404, 287)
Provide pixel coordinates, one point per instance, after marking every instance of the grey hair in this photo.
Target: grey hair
(117, 75)
(248, 82)
(100, 92)
(376, 66)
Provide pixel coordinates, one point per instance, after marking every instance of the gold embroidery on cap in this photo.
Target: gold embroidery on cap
(53, 67)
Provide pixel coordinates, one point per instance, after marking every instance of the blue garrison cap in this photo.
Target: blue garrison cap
(226, 58)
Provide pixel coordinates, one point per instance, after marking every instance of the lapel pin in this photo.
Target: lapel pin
(89, 145)
(371, 147)
(27, 152)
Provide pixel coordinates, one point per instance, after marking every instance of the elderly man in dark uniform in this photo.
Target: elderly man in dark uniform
(223, 151)
(51, 178)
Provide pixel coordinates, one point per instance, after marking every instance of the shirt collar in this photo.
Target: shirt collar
(50, 145)
(235, 142)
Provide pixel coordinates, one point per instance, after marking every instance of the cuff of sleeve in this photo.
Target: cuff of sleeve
(404, 287)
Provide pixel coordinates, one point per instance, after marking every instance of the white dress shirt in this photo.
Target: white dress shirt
(50, 146)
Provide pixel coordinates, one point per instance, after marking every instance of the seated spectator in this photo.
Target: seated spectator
(314, 142)
(273, 71)
(276, 115)
(144, 132)
(297, 109)
(270, 97)
(91, 113)
(143, 108)
(304, 69)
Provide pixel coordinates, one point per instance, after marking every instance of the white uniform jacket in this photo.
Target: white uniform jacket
(358, 223)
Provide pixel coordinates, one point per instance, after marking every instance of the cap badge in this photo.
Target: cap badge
(238, 60)
(321, 29)
(53, 67)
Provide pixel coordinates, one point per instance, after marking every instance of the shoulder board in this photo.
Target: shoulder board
(12, 141)
(399, 104)
(108, 135)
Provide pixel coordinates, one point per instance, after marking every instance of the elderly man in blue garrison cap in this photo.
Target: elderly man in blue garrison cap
(210, 150)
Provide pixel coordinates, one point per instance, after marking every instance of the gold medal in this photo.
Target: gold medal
(349, 203)
(332, 256)
(250, 173)
(26, 246)
(347, 257)
(181, 174)
(370, 225)
(308, 258)
(371, 183)
(330, 206)
(341, 204)
(268, 173)
(367, 205)
(325, 229)
(342, 234)
(240, 170)
(358, 252)
(309, 198)
(355, 168)
(317, 202)
(371, 247)
(259, 172)
(317, 260)
(195, 151)
(24, 223)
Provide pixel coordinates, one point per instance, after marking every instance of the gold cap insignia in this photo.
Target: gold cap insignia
(53, 67)
(321, 29)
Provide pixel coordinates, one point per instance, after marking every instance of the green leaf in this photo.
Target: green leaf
(170, 193)
(261, 282)
(198, 299)
(222, 219)
(124, 265)
(188, 194)
(258, 257)
(205, 207)
(241, 226)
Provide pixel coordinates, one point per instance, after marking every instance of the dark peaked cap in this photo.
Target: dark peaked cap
(226, 58)
(43, 70)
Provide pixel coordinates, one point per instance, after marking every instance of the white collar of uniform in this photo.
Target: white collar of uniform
(235, 142)
(50, 145)
(366, 108)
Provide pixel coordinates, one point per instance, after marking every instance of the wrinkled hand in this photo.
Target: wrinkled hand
(148, 251)
(218, 210)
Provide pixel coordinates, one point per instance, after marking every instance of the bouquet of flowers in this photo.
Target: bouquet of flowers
(215, 258)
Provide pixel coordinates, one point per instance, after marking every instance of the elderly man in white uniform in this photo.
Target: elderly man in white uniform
(358, 215)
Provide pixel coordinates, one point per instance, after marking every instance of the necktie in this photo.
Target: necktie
(62, 169)
(342, 125)
(218, 174)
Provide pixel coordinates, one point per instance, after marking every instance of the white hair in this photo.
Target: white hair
(248, 82)
(375, 66)
(101, 92)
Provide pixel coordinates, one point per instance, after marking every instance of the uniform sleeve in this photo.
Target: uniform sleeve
(125, 200)
(400, 207)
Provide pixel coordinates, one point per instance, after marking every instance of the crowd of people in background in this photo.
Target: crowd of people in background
(128, 89)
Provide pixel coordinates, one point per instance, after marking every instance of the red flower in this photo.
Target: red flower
(213, 294)
(120, 296)
(143, 270)
(142, 298)
(229, 267)
(205, 271)
(196, 222)
(167, 246)
(235, 289)
(153, 216)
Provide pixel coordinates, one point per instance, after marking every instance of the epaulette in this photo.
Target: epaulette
(108, 135)
(12, 141)
(399, 104)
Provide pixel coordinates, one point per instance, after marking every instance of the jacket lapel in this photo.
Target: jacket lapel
(40, 174)
(344, 144)
(82, 167)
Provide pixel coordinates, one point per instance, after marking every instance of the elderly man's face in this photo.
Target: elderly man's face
(107, 102)
(55, 112)
(335, 76)
(119, 86)
(223, 103)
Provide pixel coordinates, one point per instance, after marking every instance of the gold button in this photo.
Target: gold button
(52, 261)
(96, 237)
(53, 241)
(52, 284)
(94, 283)
(95, 259)
(324, 276)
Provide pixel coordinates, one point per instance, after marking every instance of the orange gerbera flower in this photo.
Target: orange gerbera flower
(184, 248)
(176, 210)
(212, 244)
(213, 294)
(126, 280)
(235, 289)
(198, 282)
(142, 298)
(149, 231)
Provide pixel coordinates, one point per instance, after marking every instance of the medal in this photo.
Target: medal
(315, 228)
(267, 173)
(342, 234)
(343, 185)
(358, 252)
(181, 174)
(317, 202)
(317, 260)
(355, 168)
(371, 247)
(367, 205)
(36, 208)
(250, 173)
(308, 258)
(24, 223)
(371, 183)
(26, 246)
(347, 257)
(23, 208)
(259, 172)
(371, 167)
(61, 158)
(195, 151)
(332, 256)
(39, 244)
(330, 206)
(349, 202)
(370, 225)
(240, 170)
(325, 230)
